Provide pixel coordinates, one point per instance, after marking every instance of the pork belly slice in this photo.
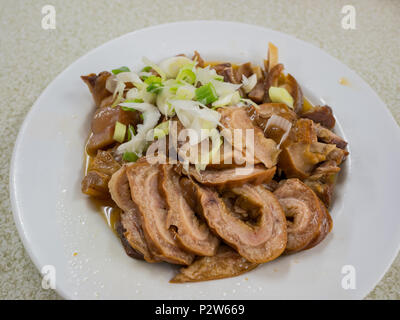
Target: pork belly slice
(264, 149)
(324, 229)
(192, 233)
(304, 213)
(130, 217)
(143, 182)
(257, 242)
(225, 264)
(228, 178)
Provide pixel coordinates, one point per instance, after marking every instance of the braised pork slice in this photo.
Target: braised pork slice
(100, 170)
(235, 122)
(327, 136)
(299, 159)
(225, 264)
(232, 177)
(322, 115)
(324, 229)
(295, 91)
(130, 217)
(143, 182)
(97, 85)
(265, 111)
(103, 125)
(303, 211)
(192, 234)
(259, 241)
(322, 181)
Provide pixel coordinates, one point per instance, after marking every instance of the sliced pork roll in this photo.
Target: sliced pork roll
(258, 242)
(230, 177)
(225, 264)
(130, 217)
(304, 214)
(192, 234)
(143, 182)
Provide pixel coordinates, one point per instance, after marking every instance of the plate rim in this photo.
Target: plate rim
(17, 144)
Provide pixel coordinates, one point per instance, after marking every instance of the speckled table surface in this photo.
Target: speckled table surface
(30, 58)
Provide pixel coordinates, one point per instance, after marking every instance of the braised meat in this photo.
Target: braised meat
(97, 86)
(231, 177)
(143, 181)
(191, 232)
(131, 224)
(100, 170)
(303, 211)
(258, 242)
(235, 120)
(226, 263)
(322, 115)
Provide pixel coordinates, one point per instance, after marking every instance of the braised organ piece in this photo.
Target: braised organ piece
(267, 194)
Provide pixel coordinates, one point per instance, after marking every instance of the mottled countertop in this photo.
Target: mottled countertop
(30, 58)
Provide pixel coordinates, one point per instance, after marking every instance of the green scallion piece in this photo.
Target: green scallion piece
(186, 75)
(154, 84)
(119, 132)
(206, 94)
(146, 69)
(121, 69)
(131, 132)
(130, 157)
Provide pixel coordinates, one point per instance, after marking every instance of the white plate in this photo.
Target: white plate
(55, 219)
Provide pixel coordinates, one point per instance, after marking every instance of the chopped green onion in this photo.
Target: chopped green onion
(131, 132)
(119, 132)
(206, 94)
(146, 69)
(153, 79)
(154, 84)
(161, 130)
(130, 156)
(280, 95)
(119, 70)
(154, 87)
(186, 92)
(133, 101)
(155, 67)
(187, 75)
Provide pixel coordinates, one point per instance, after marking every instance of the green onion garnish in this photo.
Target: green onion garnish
(119, 70)
(154, 84)
(119, 132)
(146, 69)
(161, 130)
(131, 132)
(130, 157)
(186, 75)
(206, 94)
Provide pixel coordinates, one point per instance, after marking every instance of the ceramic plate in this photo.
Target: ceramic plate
(60, 227)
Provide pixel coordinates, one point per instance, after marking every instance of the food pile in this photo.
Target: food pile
(215, 166)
